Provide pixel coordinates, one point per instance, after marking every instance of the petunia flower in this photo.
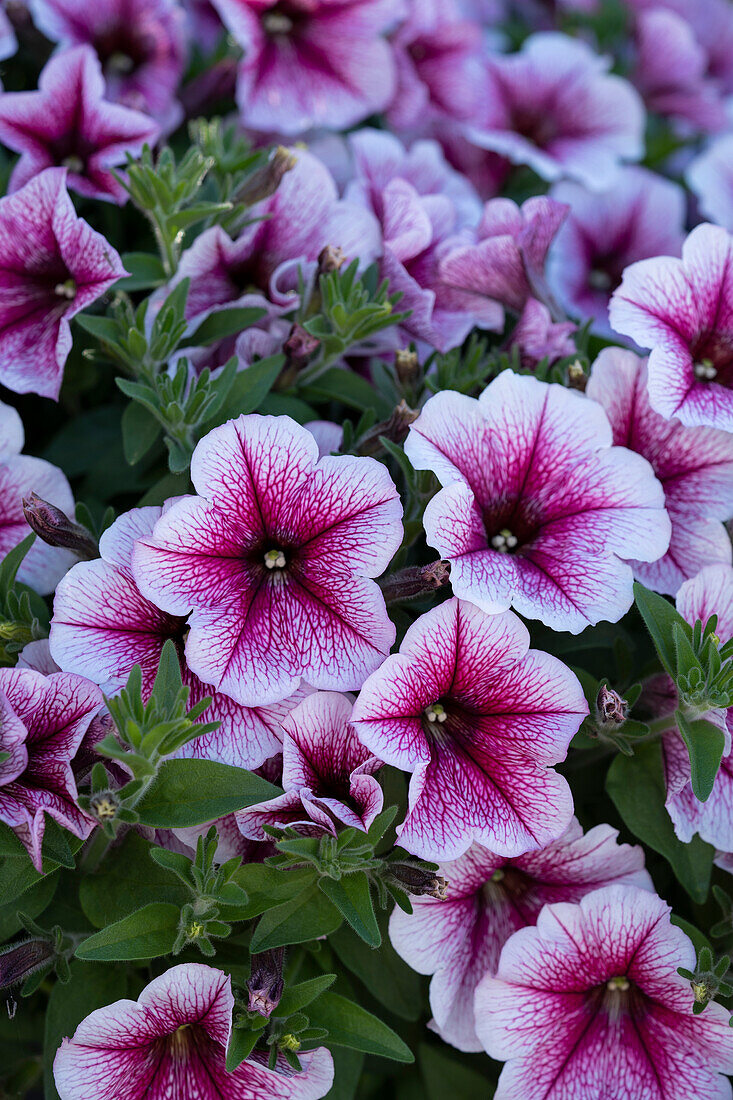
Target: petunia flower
(141, 45)
(43, 565)
(328, 774)
(683, 311)
(459, 940)
(554, 107)
(712, 25)
(43, 721)
(275, 558)
(538, 509)
(642, 215)
(311, 63)
(102, 625)
(68, 123)
(52, 266)
(710, 177)
(172, 1042)
(536, 336)
(479, 719)
(694, 466)
(589, 1003)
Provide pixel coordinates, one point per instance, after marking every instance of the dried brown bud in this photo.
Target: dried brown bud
(299, 347)
(20, 960)
(266, 180)
(415, 580)
(54, 527)
(416, 880)
(331, 258)
(395, 429)
(611, 708)
(265, 983)
(577, 378)
(407, 366)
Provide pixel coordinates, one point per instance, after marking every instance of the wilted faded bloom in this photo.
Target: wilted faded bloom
(275, 558)
(171, 1043)
(589, 1003)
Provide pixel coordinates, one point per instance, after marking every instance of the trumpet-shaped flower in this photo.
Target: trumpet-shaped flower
(538, 509)
(589, 1003)
(275, 558)
(694, 466)
(43, 721)
(683, 311)
(52, 265)
(459, 940)
(103, 625)
(172, 1042)
(328, 774)
(479, 719)
(710, 176)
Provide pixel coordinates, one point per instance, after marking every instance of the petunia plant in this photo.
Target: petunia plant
(366, 571)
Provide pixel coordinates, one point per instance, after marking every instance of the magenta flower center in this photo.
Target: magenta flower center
(122, 49)
(712, 354)
(282, 20)
(504, 541)
(275, 559)
(535, 124)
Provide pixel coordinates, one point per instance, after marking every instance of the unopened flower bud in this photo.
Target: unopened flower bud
(289, 1042)
(611, 708)
(415, 580)
(416, 880)
(331, 258)
(265, 983)
(299, 347)
(407, 366)
(266, 180)
(20, 960)
(577, 378)
(55, 528)
(395, 428)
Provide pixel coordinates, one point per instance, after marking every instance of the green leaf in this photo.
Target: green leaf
(57, 850)
(168, 681)
(383, 972)
(305, 917)
(91, 986)
(636, 786)
(144, 934)
(220, 325)
(705, 743)
(296, 997)
(10, 564)
(127, 880)
(348, 1067)
(193, 792)
(241, 1045)
(249, 389)
(660, 618)
(267, 886)
(146, 271)
(444, 1076)
(337, 384)
(140, 430)
(33, 901)
(350, 1025)
(352, 897)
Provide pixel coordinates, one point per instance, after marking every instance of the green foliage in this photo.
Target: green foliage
(20, 621)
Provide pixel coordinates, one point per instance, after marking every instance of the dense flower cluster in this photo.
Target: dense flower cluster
(394, 572)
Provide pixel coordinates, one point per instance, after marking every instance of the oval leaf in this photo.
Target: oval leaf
(192, 792)
(145, 934)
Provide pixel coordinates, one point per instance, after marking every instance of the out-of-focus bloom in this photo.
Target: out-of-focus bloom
(52, 265)
(140, 43)
(328, 774)
(642, 215)
(589, 1002)
(43, 565)
(506, 264)
(43, 721)
(311, 63)
(710, 176)
(171, 1042)
(206, 28)
(479, 719)
(459, 940)
(712, 24)
(694, 465)
(683, 311)
(103, 625)
(536, 336)
(671, 72)
(538, 509)
(275, 558)
(67, 123)
(554, 107)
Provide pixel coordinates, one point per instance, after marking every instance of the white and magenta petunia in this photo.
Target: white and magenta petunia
(538, 510)
(710, 177)
(311, 63)
(479, 719)
(694, 466)
(459, 940)
(328, 774)
(536, 336)
(141, 45)
(103, 625)
(68, 123)
(43, 721)
(683, 311)
(554, 107)
(52, 265)
(712, 27)
(172, 1042)
(589, 1003)
(43, 565)
(275, 557)
(642, 215)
